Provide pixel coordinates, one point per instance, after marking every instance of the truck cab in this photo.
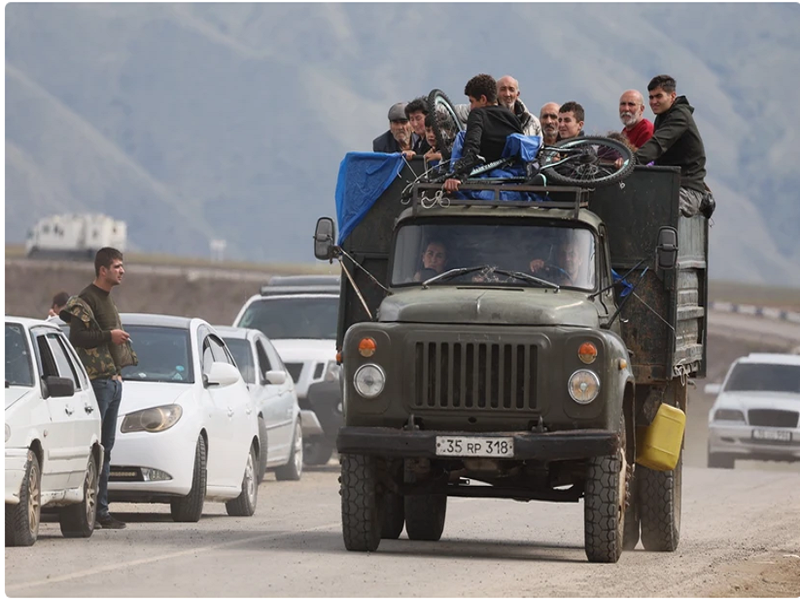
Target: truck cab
(523, 345)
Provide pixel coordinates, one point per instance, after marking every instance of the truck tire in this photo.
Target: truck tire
(361, 522)
(393, 509)
(22, 520)
(604, 504)
(425, 516)
(189, 508)
(630, 533)
(660, 507)
(244, 505)
(317, 451)
(78, 520)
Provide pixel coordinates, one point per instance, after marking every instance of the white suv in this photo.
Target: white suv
(300, 316)
(757, 413)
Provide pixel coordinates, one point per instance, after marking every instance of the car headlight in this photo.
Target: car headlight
(583, 386)
(332, 371)
(8, 432)
(728, 414)
(155, 419)
(369, 380)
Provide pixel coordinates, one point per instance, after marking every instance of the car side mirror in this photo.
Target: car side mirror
(59, 387)
(222, 374)
(712, 389)
(667, 248)
(276, 377)
(324, 238)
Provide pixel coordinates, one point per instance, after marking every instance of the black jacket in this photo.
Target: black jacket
(487, 129)
(676, 142)
(385, 143)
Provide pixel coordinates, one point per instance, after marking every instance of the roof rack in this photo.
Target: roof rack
(573, 197)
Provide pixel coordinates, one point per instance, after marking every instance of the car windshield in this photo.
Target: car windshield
(243, 356)
(164, 354)
(495, 253)
(19, 368)
(295, 317)
(764, 377)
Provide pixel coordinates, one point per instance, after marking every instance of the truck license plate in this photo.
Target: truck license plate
(488, 447)
(775, 435)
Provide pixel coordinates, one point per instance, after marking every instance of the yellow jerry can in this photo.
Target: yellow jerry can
(659, 445)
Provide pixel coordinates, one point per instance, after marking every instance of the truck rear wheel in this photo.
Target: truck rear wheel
(660, 507)
(361, 522)
(425, 516)
(393, 509)
(604, 504)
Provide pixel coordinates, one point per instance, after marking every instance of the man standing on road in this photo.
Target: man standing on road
(631, 112)
(548, 117)
(104, 349)
(508, 96)
(676, 142)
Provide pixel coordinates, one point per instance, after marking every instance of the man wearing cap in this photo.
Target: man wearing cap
(398, 138)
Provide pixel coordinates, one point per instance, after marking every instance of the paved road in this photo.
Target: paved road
(292, 546)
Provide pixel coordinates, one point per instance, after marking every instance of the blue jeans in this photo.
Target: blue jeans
(109, 394)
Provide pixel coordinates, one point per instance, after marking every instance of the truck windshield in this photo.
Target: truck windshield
(561, 255)
(294, 317)
(764, 377)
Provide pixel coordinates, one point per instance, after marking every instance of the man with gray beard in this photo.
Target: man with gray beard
(548, 117)
(631, 112)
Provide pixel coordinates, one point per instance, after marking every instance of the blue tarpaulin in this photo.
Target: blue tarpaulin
(363, 177)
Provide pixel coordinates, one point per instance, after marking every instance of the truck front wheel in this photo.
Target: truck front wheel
(361, 521)
(660, 507)
(604, 504)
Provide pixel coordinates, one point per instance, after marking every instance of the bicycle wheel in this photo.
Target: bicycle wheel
(587, 161)
(446, 123)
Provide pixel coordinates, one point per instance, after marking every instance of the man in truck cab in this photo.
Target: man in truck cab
(434, 259)
(570, 257)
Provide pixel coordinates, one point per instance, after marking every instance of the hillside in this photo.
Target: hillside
(201, 121)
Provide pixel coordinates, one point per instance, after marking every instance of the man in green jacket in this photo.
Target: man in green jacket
(104, 348)
(677, 142)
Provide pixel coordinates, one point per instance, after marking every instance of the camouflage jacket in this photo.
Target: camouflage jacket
(106, 359)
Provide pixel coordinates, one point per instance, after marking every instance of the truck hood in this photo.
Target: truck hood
(507, 306)
(295, 351)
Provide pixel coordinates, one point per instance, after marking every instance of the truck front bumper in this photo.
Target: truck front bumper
(547, 446)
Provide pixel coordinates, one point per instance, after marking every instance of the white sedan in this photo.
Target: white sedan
(187, 427)
(53, 448)
(272, 389)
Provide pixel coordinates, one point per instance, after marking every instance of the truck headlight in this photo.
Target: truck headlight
(583, 386)
(369, 380)
(153, 420)
(729, 414)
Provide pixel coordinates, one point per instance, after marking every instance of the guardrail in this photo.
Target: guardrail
(766, 312)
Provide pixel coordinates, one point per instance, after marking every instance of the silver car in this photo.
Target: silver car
(756, 413)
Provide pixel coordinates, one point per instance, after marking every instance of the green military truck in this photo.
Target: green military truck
(536, 383)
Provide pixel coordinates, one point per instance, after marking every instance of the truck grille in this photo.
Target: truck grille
(294, 370)
(773, 418)
(474, 375)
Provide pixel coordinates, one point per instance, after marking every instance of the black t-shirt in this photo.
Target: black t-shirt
(487, 129)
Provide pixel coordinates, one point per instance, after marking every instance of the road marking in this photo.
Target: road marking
(144, 561)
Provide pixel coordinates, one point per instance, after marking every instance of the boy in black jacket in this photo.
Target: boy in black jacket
(677, 142)
(488, 126)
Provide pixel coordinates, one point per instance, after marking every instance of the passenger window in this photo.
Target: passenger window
(45, 358)
(263, 360)
(81, 381)
(220, 352)
(208, 357)
(65, 369)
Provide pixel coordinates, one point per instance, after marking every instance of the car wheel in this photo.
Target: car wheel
(244, 505)
(361, 523)
(318, 451)
(720, 461)
(293, 470)
(78, 520)
(22, 520)
(263, 447)
(189, 509)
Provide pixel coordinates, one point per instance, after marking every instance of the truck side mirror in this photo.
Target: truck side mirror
(667, 248)
(324, 238)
